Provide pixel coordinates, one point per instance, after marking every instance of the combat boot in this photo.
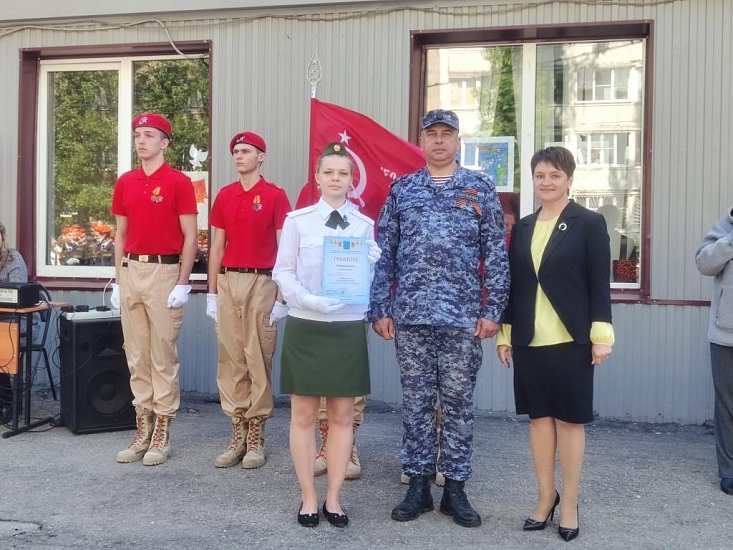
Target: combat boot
(455, 503)
(320, 467)
(256, 453)
(237, 446)
(140, 443)
(160, 445)
(353, 468)
(418, 500)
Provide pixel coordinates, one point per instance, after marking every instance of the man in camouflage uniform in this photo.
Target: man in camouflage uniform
(435, 229)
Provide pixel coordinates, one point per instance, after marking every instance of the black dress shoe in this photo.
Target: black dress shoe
(307, 520)
(536, 525)
(726, 485)
(337, 520)
(566, 533)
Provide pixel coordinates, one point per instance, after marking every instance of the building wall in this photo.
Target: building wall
(659, 370)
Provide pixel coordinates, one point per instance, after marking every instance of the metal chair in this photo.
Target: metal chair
(40, 346)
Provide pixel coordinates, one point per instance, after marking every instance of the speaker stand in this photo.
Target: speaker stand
(21, 429)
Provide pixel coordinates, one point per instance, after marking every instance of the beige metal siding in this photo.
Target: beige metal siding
(659, 371)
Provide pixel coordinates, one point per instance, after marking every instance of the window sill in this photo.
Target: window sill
(639, 296)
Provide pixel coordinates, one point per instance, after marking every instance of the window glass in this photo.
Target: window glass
(587, 98)
(85, 142)
(489, 110)
(603, 130)
(180, 89)
(82, 165)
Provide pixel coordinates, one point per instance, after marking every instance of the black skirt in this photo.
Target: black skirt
(324, 359)
(554, 381)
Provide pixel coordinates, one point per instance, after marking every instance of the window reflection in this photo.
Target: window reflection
(588, 99)
(83, 149)
(599, 116)
(83, 166)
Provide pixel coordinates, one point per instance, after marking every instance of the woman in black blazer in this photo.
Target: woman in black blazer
(557, 327)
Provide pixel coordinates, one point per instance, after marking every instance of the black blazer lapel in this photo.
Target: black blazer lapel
(563, 227)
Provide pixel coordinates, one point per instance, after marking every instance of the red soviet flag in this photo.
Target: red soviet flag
(379, 156)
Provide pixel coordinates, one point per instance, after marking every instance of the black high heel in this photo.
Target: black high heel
(307, 520)
(337, 520)
(536, 525)
(566, 533)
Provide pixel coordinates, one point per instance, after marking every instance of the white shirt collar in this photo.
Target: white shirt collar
(325, 209)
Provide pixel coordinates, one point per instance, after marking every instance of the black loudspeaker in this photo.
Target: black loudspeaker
(95, 380)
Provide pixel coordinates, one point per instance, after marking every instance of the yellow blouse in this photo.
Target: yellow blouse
(548, 328)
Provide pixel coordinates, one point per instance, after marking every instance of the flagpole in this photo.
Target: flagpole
(314, 73)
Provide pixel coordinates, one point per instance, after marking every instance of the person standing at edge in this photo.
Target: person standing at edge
(155, 246)
(436, 227)
(714, 258)
(248, 216)
(13, 270)
(557, 329)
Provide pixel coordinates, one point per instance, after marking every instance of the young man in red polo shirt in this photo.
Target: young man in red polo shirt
(155, 246)
(248, 216)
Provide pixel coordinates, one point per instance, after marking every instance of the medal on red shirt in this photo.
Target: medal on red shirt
(257, 203)
(155, 197)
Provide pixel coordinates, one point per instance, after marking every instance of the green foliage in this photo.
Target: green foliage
(498, 103)
(85, 128)
(85, 144)
(505, 117)
(178, 90)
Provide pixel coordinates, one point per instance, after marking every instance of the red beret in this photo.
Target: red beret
(250, 138)
(152, 120)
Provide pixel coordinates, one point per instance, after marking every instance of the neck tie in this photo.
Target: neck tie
(335, 220)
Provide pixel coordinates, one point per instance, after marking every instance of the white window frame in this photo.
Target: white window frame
(124, 66)
(464, 89)
(613, 85)
(587, 149)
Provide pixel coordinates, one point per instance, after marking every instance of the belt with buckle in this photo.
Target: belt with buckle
(153, 258)
(255, 270)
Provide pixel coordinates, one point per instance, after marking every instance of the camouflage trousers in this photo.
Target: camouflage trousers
(437, 363)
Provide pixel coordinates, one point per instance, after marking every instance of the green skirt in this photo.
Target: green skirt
(324, 359)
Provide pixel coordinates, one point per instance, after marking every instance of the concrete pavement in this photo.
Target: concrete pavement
(644, 487)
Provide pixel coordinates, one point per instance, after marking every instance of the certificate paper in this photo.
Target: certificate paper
(346, 269)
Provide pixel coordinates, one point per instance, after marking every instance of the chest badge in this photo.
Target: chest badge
(469, 196)
(156, 197)
(257, 203)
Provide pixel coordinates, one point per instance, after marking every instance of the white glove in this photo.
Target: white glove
(212, 301)
(178, 296)
(278, 313)
(374, 251)
(321, 303)
(114, 300)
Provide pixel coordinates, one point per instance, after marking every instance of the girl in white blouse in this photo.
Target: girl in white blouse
(324, 349)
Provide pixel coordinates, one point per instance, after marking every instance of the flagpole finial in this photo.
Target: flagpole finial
(314, 73)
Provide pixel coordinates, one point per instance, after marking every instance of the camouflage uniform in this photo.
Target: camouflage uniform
(433, 239)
